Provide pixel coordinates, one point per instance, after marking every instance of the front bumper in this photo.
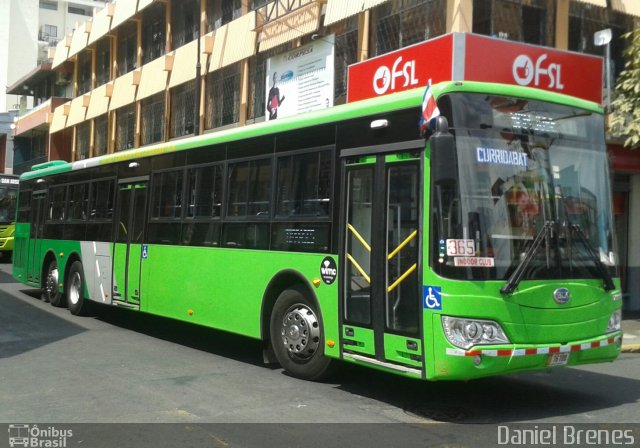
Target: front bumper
(483, 361)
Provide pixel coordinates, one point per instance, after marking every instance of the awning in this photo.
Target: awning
(124, 91)
(234, 42)
(79, 39)
(144, 3)
(340, 9)
(153, 78)
(184, 63)
(627, 6)
(77, 111)
(284, 29)
(99, 103)
(62, 50)
(600, 3)
(101, 23)
(125, 9)
(59, 120)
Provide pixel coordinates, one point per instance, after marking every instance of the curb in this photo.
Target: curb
(630, 348)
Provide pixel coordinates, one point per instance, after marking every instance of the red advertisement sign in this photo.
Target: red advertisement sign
(401, 70)
(502, 61)
(477, 58)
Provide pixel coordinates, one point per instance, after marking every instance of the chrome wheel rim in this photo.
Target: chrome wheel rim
(300, 332)
(51, 284)
(75, 286)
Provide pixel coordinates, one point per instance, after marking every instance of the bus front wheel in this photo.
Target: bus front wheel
(297, 337)
(75, 290)
(50, 291)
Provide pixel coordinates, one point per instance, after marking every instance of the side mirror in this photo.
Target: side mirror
(443, 155)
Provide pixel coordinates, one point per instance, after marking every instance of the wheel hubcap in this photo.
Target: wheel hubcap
(51, 286)
(300, 331)
(74, 288)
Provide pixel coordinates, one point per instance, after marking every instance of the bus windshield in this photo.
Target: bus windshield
(8, 204)
(532, 192)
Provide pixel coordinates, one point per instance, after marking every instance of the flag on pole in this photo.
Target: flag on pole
(429, 109)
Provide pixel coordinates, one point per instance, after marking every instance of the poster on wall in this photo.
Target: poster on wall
(300, 80)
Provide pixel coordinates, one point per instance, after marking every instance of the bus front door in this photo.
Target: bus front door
(38, 212)
(381, 300)
(128, 248)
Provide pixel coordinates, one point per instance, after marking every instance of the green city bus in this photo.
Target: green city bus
(482, 247)
(8, 197)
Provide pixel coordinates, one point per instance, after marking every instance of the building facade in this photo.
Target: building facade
(149, 71)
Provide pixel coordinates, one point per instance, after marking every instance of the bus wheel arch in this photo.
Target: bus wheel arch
(50, 280)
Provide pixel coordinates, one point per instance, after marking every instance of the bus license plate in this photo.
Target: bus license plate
(558, 359)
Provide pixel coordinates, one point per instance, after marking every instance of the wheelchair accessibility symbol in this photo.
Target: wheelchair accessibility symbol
(432, 297)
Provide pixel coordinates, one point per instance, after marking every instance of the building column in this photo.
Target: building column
(633, 269)
(459, 16)
(562, 24)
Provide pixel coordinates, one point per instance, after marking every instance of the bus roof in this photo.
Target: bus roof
(397, 101)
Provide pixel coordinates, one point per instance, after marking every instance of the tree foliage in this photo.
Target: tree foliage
(625, 121)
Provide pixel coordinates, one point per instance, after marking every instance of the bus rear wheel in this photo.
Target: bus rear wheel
(297, 337)
(50, 291)
(75, 290)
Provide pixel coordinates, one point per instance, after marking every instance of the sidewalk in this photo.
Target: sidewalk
(631, 329)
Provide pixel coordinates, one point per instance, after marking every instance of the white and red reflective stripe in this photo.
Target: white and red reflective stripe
(535, 351)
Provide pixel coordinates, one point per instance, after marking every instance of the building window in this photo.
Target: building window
(100, 133)
(154, 29)
(585, 20)
(223, 97)
(221, 12)
(125, 127)
(346, 53)
(182, 109)
(127, 48)
(103, 61)
(515, 20)
(184, 22)
(80, 10)
(82, 141)
(48, 32)
(84, 72)
(50, 5)
(400, 24)
(152, 110)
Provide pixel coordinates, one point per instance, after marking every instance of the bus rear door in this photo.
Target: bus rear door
(380, 282)
(128, 248)
(38, 216)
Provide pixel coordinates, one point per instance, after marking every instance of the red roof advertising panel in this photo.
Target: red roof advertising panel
(403, 69)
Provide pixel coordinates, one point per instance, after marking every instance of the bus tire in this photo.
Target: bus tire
(74, 289)
(297, 337)
(50, 291)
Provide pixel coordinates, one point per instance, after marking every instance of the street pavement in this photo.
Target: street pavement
(631, 329)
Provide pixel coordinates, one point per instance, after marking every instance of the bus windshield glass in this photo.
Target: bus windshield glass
(8, 204)
(531, 192)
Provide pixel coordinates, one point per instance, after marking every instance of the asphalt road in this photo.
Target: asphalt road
(124, 367)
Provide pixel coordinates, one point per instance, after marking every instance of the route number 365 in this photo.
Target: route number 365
(461, 248)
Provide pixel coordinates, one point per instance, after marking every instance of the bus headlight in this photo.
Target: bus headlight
(465, 333)
(614, 321)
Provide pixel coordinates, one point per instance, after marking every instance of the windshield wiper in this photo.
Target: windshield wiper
(516, 276)
(604, 273)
